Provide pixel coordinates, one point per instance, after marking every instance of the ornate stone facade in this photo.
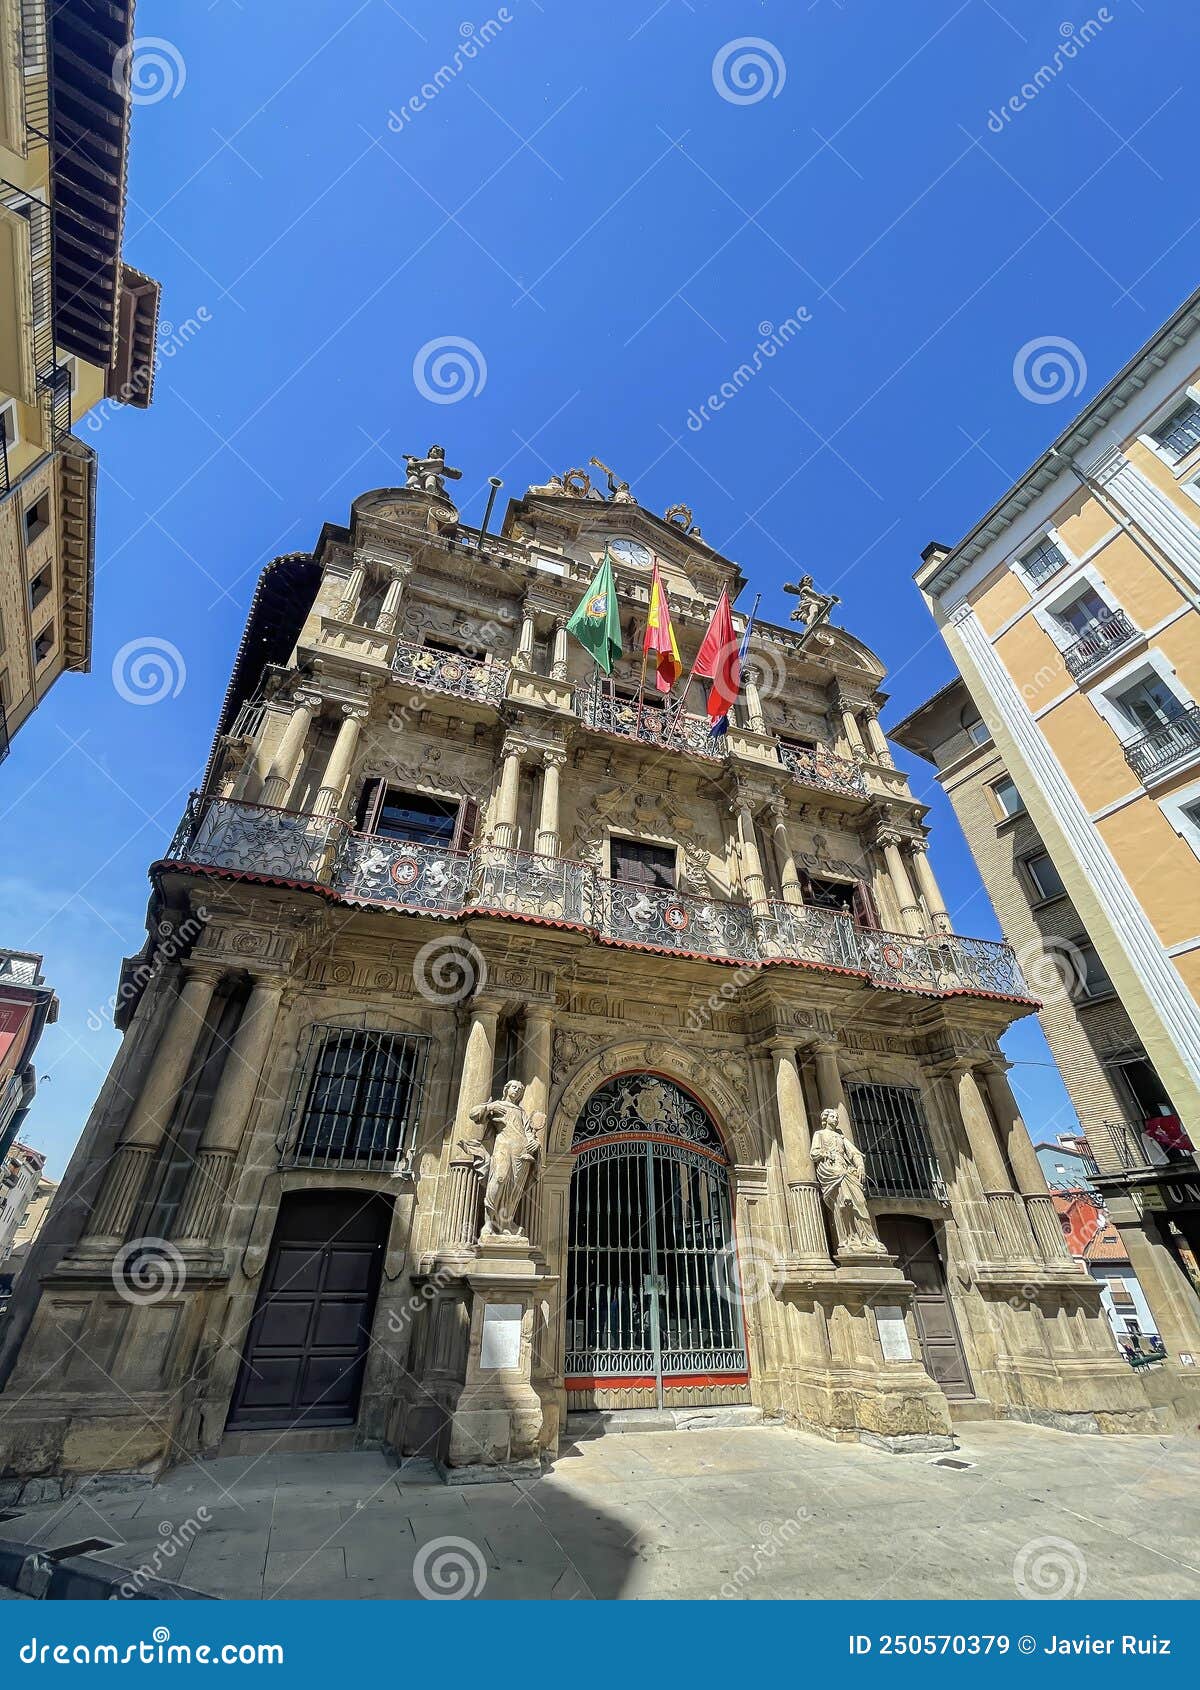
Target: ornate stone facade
(433, 863)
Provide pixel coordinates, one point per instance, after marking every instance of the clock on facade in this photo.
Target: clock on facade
(630, 551)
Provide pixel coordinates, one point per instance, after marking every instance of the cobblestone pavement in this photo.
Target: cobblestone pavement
(756, 1512)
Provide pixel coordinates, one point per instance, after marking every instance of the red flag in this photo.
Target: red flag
(719, 660)
(660, 636)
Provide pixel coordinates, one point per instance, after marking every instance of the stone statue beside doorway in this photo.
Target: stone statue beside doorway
(841, 1172)
(513, 1161)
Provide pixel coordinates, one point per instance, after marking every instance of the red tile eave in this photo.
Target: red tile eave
(330, 896)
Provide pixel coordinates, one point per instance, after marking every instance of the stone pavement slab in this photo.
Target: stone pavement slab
(753, 1512)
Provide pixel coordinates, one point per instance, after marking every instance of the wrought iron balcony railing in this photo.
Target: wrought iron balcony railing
(1100, 641)
(1160, 749)
(1127, 1146)
(817, 767)
(450, 672)
(651, 723)
(255, 839)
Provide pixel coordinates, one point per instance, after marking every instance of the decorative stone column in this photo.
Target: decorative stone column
(151, 1113)
(291, 747)
(460, 1218)
(928, 886)
(536, 1043)
(546, 843)
(348, 609)
(389, 610)
(888, 839)
(876, 738)
(804, 1200)
(827, 1056)
(851, 731)
(755, 720)
(522, 658)
(341, 760)
(558, 656)
(504, 827)
(1023, 1160)
(1004, 1210)
(753, 884)
(788, 875)
(237, 1089)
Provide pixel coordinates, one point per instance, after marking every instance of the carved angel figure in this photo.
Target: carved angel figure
(514, 1159)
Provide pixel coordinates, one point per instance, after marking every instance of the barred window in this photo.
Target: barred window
(1181, 431)
(363, 1099)
(890, 1128)
(1042, 561)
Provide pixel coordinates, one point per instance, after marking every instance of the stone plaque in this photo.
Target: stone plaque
(501, 1346)
(893, 1334)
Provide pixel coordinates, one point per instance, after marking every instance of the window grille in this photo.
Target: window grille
(361, 1103)
(1181, 431)
(891, 1133)
(1043, 560)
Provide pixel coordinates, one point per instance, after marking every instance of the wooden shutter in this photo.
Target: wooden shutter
(369, 804)
(464, 827)
(863, 905)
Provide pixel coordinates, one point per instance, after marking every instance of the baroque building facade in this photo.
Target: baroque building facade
(749, 1104)
(1071, 750)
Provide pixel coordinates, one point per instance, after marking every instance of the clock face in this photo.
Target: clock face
(630, 551)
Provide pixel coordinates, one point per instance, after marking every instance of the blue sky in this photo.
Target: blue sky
(584, 204)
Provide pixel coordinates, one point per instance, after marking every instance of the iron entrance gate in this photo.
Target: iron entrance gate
(653, 1303)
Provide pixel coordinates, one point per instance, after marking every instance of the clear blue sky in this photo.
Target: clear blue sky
(582, 204)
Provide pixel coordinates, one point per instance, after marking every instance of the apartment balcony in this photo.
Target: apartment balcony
(1161, 750)
(817, 767)
(1127, 1146)
(257, 841)
(652, 724)
(1101, 641)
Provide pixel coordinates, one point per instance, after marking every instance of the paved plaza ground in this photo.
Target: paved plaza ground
(752, 1512)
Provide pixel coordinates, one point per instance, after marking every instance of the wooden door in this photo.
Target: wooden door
(306, 1349)
(914, 1244)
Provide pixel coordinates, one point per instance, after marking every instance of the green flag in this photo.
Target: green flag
(595, 621)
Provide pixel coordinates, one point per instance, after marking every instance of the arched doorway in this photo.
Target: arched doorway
(654, 1309)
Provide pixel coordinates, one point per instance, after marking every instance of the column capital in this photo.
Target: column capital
(355, 712)
(208, 970)
(553, 757)
(307, 698)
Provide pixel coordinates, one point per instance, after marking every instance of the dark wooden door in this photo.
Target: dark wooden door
(914, 1244)
(307, 1344)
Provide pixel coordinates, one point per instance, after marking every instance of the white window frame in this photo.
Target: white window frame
(1175, 809)
(1015, 563)
(1058, 596)
(1177, 466)
(8, 408)
(1148, 662)
(1003, 815)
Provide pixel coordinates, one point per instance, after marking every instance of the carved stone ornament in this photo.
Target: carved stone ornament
(513, 1162)
(430, 473)
(841, 1174)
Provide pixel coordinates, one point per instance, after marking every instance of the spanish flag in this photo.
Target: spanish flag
(660, 636)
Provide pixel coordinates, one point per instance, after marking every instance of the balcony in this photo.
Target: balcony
(815, 766)
(1101, 641)
(255, 840)
(652, 724)
(450, 672)
(1159, 750)
(1127, 1145)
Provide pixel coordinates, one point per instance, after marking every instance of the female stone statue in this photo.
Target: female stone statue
(514, 1159)
(841, 1173)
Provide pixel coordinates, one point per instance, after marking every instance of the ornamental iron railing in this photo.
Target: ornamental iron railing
(890, 1130)
(1111, 634)
(1129, 1145)
(1161, 748)
(450, 672)
(652, 724)
(814, 766)
(256, 839)
(670, 920)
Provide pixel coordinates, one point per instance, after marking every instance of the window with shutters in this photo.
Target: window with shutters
(638, 863)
